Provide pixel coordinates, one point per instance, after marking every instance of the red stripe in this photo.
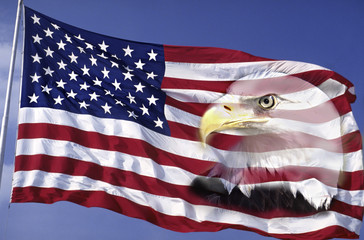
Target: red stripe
(207, 55)
(261, 87)
(179, 130)
(213, 86)
(322, 113)
(175, 223)
(194, 108)
(114, 176)
(317, 77)
(219, 55)
(253, 175)
(319, 114)
(352, 180)
(347, 209)
(132, 180)
(256, 143)
(112, 143)
(342, 105)
(350, 142)
(256, 87)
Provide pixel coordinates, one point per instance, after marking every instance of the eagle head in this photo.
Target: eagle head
(276, 139)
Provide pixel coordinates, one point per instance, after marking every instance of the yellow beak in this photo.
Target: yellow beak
(226, 116)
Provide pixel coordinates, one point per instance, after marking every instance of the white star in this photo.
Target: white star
(62, 65)
(48, 71)
(35, 78)
(61, 84)
(84, 86)
(114, 64)
(55, 26)
(49, 52)
(127, 68)
(35, 19)
(93, 60)
(46, 89)
(97, 82)
(128, 75)
(73, 58)
(119, 102)
(145, 110)
(81, 49)
(48, 33)
(61, 45)
(132, 114)
(36, 58)
(139, 64)
(107, 92)
(152, 55)
(73, 76)
(68, 38)
(37, 39)
(151, 75)
(116, 85)
(33, 98)
(83, 105)
(105, 72)
(106, 108)
(71, 94)
(102, 55)
(89, 46)
(152, 100)
(58, 100)
(85, 70)
(94, 96)
(131, 98)
(79, 37)
(103, 46)
(139, 87)
(116, 57)
(127, 51)
(158, 123)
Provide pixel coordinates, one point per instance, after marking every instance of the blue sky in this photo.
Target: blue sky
(325, 32)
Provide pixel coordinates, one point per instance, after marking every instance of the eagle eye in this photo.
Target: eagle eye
(267, 102)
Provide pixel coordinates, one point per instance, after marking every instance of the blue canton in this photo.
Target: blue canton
(87, 73)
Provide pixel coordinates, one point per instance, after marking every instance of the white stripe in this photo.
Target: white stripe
(327, 130)
(347, 120)
(233, 71)
(249, 71)
(123, 128)
(293, 157)
(178, 207)
(355, 197)
(177, 115)
(348, 123)
(312, 186)
(140, 165)
(275, 125)
(298, 100)
(127, 128)
(194, 96)
(332, 88)
(353, 161)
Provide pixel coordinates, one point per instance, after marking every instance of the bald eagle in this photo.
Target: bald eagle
(282, 142)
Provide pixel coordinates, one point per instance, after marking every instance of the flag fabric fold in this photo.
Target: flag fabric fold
(111, 123)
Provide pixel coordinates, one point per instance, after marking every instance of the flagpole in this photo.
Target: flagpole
(5, 119)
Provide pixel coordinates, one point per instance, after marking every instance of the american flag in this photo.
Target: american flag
(106, 122)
